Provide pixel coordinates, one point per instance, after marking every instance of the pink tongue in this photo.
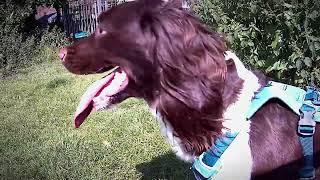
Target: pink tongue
(86, 103)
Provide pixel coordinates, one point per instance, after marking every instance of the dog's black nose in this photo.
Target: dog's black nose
(62, 54)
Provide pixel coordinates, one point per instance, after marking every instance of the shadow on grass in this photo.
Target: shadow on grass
(166, 166)
(56, 83)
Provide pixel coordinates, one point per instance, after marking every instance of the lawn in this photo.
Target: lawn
(38, 141)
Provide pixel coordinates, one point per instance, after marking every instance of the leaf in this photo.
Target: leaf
(313, 15)
(303, 74)
(288, 5)
(288, 15)
(275, 41)
(294, 56)
(253, 26)
(299, 81)
(299, 64)
(283, 66)
(307, 61)
(276, 52)
(317, 46)
(260, 63)
(250, 43)
(275, 66)
(313, 38)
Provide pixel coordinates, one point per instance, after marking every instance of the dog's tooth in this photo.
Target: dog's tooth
(120, 78)
(116, 75)
(123, 76)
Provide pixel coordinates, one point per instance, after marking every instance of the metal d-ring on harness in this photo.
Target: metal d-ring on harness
(303, 103)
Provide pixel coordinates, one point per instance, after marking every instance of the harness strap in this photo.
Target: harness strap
(306, 130)
(208, 164)
(290, 95)
(308, 170)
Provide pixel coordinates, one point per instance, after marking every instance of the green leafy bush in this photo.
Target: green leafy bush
(17, 48)
(281, 38)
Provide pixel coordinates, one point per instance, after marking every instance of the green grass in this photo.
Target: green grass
(38, 141)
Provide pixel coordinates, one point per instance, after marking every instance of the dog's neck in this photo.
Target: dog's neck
(235, 113)
(235, 108)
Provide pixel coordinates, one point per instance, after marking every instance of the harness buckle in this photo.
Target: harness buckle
(204, 170)
(306, 124)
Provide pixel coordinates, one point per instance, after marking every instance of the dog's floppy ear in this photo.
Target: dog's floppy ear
(192, 70)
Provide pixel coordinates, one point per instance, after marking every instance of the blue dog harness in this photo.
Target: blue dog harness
(306, 104)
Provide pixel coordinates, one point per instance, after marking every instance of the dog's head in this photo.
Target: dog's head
(161, 53)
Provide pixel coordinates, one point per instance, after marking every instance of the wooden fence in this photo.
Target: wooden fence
(81, 15)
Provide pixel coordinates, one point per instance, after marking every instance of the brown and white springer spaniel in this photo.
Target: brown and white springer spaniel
(195, 86)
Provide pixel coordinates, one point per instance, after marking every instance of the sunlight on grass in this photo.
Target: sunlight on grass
(38, 141)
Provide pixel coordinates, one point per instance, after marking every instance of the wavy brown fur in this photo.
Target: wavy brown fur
(174, 62)
(192, 75)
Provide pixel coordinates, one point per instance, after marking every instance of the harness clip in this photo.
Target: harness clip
(204, 170)
(306, 124)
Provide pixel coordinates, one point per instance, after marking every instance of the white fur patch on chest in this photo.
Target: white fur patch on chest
(237, 159)
(174, 141)
(236, 113)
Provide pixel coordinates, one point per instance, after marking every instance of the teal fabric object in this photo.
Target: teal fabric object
(80, 35)
(290, 95)
(293, 97)
(203, 171)
(312, 99)
(217, 149)
(208, 164)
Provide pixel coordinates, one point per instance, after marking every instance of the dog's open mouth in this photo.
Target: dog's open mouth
(101, 95)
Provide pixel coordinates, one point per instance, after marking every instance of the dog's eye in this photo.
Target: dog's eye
(101, 31)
